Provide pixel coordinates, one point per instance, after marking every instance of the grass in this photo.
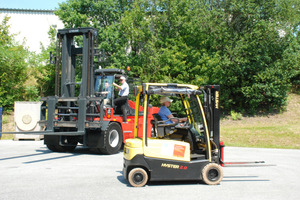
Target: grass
(261, 136)
(8, 125)
(272, 131)
(7, 137)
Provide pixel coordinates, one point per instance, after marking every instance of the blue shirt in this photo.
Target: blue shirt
(164, 112)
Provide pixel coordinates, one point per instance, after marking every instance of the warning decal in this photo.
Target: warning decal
(179, 150)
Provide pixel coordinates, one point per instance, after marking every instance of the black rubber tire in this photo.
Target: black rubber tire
(58, 148)
(54, 148)
(113, 139)
(137, 177)
(212, 174)
(71, 145)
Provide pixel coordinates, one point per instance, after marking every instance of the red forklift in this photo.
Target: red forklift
(82, 110)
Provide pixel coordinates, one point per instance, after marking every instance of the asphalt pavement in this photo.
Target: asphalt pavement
(28, 170)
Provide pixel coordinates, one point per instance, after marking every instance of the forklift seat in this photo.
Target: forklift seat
(161, 129)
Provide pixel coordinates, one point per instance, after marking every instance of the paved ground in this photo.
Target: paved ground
(28, 170)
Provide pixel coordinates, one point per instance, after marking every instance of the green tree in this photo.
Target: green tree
(249, 47)
(254, 67)
(13, 68)
(103, 15)
(43, 70)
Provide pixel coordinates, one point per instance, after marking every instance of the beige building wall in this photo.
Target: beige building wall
(32, 26)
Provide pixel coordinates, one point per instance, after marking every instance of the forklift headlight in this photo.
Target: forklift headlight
(126, 151)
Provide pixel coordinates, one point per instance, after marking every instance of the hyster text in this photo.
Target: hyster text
(172, 166)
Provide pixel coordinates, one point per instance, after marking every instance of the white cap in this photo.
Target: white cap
(122, 77)
(165, 99)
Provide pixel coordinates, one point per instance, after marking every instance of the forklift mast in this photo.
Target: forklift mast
(66, 100)
(211, 106)
(69, 51)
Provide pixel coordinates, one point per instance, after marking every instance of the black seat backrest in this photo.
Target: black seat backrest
(161, 129)
(157, 117)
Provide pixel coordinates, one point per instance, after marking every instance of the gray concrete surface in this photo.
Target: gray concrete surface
(28, 170)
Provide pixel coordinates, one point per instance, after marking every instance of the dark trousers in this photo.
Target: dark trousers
(121, 102)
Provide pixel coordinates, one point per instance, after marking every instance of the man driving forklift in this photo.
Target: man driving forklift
(123, 96)
(165, 114)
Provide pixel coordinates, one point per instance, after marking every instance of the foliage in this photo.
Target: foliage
(236, 115)
(250, 48)
(44, 72)
(13, 69)
(103, 15)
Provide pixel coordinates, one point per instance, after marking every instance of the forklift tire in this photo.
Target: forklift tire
(70, 145)
(58, 148)
(212, 174)
(137, 177)
(113, 139)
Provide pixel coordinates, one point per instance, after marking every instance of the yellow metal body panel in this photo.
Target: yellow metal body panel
(132, 147)
(158, 148)
(167, 149)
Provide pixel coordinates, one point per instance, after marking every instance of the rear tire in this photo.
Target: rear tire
(137, 177)
(113, 139)
(212, 174)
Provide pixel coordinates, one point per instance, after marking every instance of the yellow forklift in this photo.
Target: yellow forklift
(176, 151)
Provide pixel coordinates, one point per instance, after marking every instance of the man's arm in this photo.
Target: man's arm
(177, 120)
(118, 86)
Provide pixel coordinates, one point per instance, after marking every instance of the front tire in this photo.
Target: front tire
(212, 174)
(70, 144)
(137, 177)
(113, 139)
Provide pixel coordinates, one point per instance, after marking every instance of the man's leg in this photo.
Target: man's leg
(120, 102)
(124, 111)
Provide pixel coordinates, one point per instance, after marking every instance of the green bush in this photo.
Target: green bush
(236, 115)
(13, 67)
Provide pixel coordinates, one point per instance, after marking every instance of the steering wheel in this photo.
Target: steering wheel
(185, 125)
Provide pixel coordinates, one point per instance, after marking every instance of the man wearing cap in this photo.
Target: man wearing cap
(165, 113)
(123, 96)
